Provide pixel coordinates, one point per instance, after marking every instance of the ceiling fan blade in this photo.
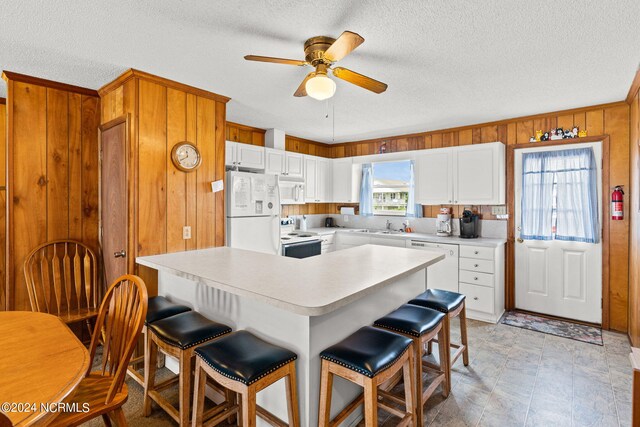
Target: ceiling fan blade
(275, 60)
(302, 90)
(344, 45)
(359, 80)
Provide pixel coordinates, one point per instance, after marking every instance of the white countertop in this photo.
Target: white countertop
(311, 286)
(480, 241)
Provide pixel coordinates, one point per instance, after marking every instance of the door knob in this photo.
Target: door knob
(520, 240)
(120, 254)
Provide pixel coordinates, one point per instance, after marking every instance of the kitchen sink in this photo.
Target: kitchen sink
(365, 230)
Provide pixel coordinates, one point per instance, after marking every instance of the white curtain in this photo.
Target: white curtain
(366, 190)
(573, 173)
(411, 199)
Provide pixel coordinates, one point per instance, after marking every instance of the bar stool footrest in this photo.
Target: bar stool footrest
(269, 417)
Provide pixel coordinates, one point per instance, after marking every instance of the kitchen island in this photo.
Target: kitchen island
(304, 305)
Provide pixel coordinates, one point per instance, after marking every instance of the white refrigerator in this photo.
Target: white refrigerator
(253, 212)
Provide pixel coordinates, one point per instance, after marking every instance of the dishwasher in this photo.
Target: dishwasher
(443, 274)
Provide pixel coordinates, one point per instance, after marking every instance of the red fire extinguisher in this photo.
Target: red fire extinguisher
(617, 203)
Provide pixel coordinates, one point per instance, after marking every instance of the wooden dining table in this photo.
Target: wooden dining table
(41, 363)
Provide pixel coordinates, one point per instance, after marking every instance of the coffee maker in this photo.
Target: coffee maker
(443, 223)
(469, 225)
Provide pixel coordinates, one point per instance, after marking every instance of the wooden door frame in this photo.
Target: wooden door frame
(130, 187)
(510, 288)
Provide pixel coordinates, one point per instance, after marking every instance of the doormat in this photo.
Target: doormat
(560, 328)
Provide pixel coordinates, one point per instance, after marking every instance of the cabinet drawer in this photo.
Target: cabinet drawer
(479, 298)
(327, 238)
(483, 279)
(479, 265)
(476, 252)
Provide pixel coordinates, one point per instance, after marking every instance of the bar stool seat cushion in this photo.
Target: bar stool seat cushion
(244, 357)
(187, 329)
(443, 301)
(411, 320)
(159, 308)
(368, 351)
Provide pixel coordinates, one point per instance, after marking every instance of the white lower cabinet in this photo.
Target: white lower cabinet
(384, 241)
(482, 281)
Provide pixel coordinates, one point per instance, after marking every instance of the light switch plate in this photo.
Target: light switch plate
(217, 186)
(186, 232)
(499, 210)
(346, 218)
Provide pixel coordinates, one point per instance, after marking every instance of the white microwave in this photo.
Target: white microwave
(291, 190)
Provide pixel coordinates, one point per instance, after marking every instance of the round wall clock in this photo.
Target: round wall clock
(186, 156)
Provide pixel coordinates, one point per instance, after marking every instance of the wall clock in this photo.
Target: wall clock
(186, 156)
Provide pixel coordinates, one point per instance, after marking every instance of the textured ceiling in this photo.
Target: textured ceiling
(447, 63)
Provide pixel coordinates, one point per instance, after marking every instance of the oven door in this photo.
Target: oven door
(302, 249)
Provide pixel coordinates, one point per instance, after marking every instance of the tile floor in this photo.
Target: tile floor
(515, 377)
(518, 377)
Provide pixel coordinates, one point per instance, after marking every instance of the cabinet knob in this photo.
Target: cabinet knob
(475, 278)
(475, 298)
(476, 252)
(476, 265)
(455, 201)
(449, 201)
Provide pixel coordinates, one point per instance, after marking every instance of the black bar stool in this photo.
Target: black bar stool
(369, 357)
(177, 336)
(452, 304)
(244, 364)
(422, 325)
(159, 308)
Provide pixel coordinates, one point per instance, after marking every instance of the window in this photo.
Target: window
(391, 184)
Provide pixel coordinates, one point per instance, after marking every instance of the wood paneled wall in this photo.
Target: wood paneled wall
(632, 198)
(3, 198)
(246, 134)
(52, 171)
(165, 199)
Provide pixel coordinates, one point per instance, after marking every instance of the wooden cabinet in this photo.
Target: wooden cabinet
(346, 180)
(479, 174)
(244, 156)
(325, 180)
(294, 163)
(481, 279)
(464, 175)
(274, 161)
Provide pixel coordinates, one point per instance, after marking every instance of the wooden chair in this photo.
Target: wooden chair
(62, 279)
(120, 320)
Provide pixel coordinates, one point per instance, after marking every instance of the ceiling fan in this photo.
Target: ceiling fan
(322, 53)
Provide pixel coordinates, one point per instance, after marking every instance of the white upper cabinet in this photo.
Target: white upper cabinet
(310, 179)
(466, 175)
(346, 180)
(479, 174)
(318, 179)
(244, 156)
(325, 180)
(274, 161)
(294, 163)
(433, 175)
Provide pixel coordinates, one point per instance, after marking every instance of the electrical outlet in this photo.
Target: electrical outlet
(499, 210)
(345, 218)
(186, 232)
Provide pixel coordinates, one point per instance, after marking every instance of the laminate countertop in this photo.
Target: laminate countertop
(311, 286)
(488, 242)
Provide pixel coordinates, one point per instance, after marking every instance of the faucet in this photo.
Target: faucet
(388, 225)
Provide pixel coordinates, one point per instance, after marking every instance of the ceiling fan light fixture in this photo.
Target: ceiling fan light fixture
(320, 87)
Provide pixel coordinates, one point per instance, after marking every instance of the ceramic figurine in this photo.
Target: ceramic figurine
(383, 148)
(545, 137)
(582, 133)
(575, 131)
(538, 135)
(533, 139)
(556, 134)
(567, 134)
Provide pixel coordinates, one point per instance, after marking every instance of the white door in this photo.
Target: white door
(310, 179)
(556, 277)
(230, 153)
(325, 180)
(434, 184)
